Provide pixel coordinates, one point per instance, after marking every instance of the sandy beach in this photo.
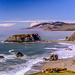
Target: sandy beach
(66, 63)
(62, 63)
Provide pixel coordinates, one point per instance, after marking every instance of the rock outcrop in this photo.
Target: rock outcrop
(24, 38)
(1, 56)
(19, 54)
(72, 37)
(68, 49)
(52, 57)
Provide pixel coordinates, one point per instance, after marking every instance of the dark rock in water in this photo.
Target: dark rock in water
(24, 38)
(1, 56)
(53, 57)
(19, 54)
(68, 49)
(66, 37)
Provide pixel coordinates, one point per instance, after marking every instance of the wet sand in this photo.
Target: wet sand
(36, 68)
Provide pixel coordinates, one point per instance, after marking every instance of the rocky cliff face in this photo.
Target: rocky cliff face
(72, 37)
(24, 38)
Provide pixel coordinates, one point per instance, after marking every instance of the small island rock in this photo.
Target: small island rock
(19, 54)
(24, 38)
(1, 56)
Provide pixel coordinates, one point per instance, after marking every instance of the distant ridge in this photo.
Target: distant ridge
(54, 26)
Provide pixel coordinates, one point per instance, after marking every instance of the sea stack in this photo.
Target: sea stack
(24, 38)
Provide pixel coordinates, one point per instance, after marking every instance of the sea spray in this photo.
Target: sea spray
(63, 53)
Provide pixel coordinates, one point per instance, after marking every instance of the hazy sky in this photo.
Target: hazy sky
(21, 10)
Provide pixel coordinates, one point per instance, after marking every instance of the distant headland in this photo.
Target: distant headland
(54, 26)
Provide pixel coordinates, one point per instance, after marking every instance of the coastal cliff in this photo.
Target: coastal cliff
(54, 26)
(23, 38)
(72, 37)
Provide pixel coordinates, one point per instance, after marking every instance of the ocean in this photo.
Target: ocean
(33, 52)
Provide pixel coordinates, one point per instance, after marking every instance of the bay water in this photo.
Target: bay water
(33, 52)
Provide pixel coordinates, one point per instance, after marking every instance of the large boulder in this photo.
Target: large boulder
(53, 57)
(24, 38)
(1, 56)
(19, 54)
(68, 49)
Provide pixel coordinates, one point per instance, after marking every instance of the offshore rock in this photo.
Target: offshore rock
(1, 56)
(24, 38)
(53, 57)
(19, 54)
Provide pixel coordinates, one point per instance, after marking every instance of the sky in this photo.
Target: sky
(24, 12)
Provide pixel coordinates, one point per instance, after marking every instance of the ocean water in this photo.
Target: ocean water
(33, 52)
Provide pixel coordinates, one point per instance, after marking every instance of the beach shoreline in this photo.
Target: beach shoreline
(68, 63)
(48, 41)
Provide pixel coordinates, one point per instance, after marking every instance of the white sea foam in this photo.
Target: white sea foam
(4, 73)
(25, 67)
(2, 42)
(6, 57)
(2, 60)
(11, 50)
(63, 53)
(61, 39)
(50, 48)
(10, 57)
(66, 44)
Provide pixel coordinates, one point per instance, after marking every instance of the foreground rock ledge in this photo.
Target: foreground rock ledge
(24, 38)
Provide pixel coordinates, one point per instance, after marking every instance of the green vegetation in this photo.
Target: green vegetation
(60, 73)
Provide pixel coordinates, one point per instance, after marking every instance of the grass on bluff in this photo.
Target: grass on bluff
(60, 73)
